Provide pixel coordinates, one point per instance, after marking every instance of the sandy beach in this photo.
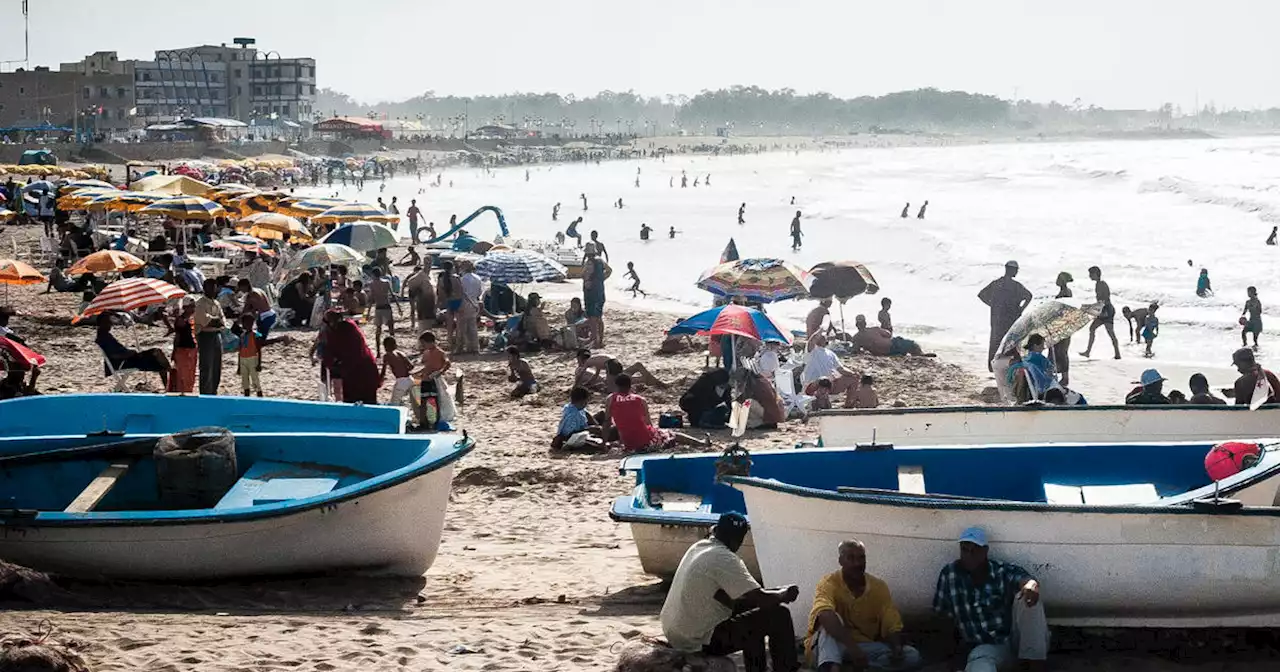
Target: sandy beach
(531, 575)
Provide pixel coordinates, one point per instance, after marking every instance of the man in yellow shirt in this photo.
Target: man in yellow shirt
(854, 621)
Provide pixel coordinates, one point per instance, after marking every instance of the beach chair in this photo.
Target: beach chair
(119, 378)
(784, 381)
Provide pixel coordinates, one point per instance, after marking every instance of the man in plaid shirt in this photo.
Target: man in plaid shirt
(995, 606)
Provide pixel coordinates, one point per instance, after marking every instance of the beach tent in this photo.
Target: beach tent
(38, 157)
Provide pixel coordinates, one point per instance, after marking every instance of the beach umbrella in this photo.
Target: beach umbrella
(308, 207)
(86, 184)
(172, 185)
(321, 256)
(76, 200)
(250, 203)
(40, 186)
(519, 267)
(242, 243)
(131, 294)
(122, 201)
(273, 226)
(730, 252)
(733, 320)
(14, 272)
(354, 212)
(1056, 320)
(841, 279)
(6, 214)
(363, 236)
(106, 261)
(762, 280)
(229, 187)
(185, 208)
(19, 353)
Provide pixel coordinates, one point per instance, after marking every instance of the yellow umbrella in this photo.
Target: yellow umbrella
(308, 207)
(272, 226)
(122, 201)
(85, 184)
(186, 208)
(77, 199)
(354, 212)
(106, 261)
(257, 202)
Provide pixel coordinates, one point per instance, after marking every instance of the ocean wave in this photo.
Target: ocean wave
(1090, 174)
(1197, 193)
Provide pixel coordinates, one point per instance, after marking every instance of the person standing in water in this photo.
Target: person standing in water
(1108, 316)
(920, 215)
(555, 212)
(1254, 324)
(1203, 287)
(584, 202)
(684, 180)
(644, 231)
(1007, 299)
(742, 211)
(793, 200)
(1271, 239)
(906, 210)
(1060, 353)
(796, 234)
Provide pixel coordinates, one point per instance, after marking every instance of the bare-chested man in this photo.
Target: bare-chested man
(380, 296)
(257, 304)
(593, 367)
(878, 341)
(1134, 318)
(1108, 317)
(813, 323)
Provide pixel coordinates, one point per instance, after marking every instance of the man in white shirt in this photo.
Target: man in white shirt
(821, 363)
(716, 607)
(469, 312)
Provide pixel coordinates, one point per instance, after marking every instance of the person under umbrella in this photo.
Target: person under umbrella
(122, 357)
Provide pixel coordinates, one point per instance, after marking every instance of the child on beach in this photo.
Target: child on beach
(635, 286)
(434, 363)
(822, 395)
(1254, 324)
(251, 345)
(519, 372)
(862, 396)
(1151, 329)
(577, 429)
(400, 368)
(886, 322)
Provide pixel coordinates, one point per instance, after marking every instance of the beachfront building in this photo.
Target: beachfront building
(351, 128)
(95, 94)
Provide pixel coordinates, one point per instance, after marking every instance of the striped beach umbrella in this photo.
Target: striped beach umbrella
(762, 280)
(308, 207)
(106, 261)
(520, 267)
(273, 226)
(242, 243)
(85, 184)
(131, 294)
(122, 201)
(76, 200)
(354, 212)
(186, 208)
(249, 203)
(363, 236)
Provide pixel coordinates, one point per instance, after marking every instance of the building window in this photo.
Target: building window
(257, 90)
(285, 110)
(239, 90)
(120, 92)
(237, 73)
(122, 113)
(275, 89)
(104, 92)
(87, 93)
(275, 72)
(146, 76)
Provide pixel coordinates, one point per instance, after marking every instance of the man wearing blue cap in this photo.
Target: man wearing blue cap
(1152, 391)
(995, 607)
(715, 607)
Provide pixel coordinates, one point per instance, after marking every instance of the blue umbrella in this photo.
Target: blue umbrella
(363, 236)
(520, 267)
(733, 320)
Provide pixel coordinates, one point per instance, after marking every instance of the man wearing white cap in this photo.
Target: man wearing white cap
(1007, 299)
(995, 607)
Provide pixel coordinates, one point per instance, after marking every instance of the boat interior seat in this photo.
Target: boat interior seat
(268, 482)
(911, 479)
(1101, 495)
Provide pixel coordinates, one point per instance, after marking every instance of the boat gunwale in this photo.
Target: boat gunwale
(925, 501)
(921, 410)
(418, 468)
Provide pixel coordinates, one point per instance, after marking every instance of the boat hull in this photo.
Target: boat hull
(662, 547)
(62, 414)
(1098, 566)
(986, 425)
(395, 529)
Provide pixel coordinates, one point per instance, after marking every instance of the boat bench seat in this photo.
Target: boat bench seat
(1101, 495)
(268, 482)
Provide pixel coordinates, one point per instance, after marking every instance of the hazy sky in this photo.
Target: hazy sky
(1113, 53)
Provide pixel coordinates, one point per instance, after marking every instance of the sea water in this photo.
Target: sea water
(1151, 214)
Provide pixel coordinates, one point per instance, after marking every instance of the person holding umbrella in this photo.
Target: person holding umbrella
(1007, 298)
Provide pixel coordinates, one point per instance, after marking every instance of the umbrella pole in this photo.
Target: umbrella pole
(842, 329)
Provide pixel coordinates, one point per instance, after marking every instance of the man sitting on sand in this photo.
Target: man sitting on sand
(821, 363)
(854, 620)
(882, 342)
(715, 607)
(577, 429)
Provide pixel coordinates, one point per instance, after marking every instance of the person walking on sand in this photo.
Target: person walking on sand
(1107, 318)
(796, 234)
(1007, 298)
(920, 215)
(1253, 307)
(1271, 239)
(906, 210)
(742, 211)
(635, 285)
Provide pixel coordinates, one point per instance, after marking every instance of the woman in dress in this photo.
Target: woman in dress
(352, 359)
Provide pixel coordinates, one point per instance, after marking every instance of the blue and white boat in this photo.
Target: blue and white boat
(296, 503)
(63, 414)
(1118, 536)
(677, 497)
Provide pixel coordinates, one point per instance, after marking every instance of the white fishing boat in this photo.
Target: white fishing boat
(987, 425)
(1127, 538)
(291, 504)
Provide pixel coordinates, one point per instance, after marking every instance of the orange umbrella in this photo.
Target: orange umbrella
(106, 261)
(14, 272)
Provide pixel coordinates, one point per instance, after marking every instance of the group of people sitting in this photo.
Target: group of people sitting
(715, 607)
(1254, 387)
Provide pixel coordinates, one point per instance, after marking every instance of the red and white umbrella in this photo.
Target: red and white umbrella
(131, 294)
